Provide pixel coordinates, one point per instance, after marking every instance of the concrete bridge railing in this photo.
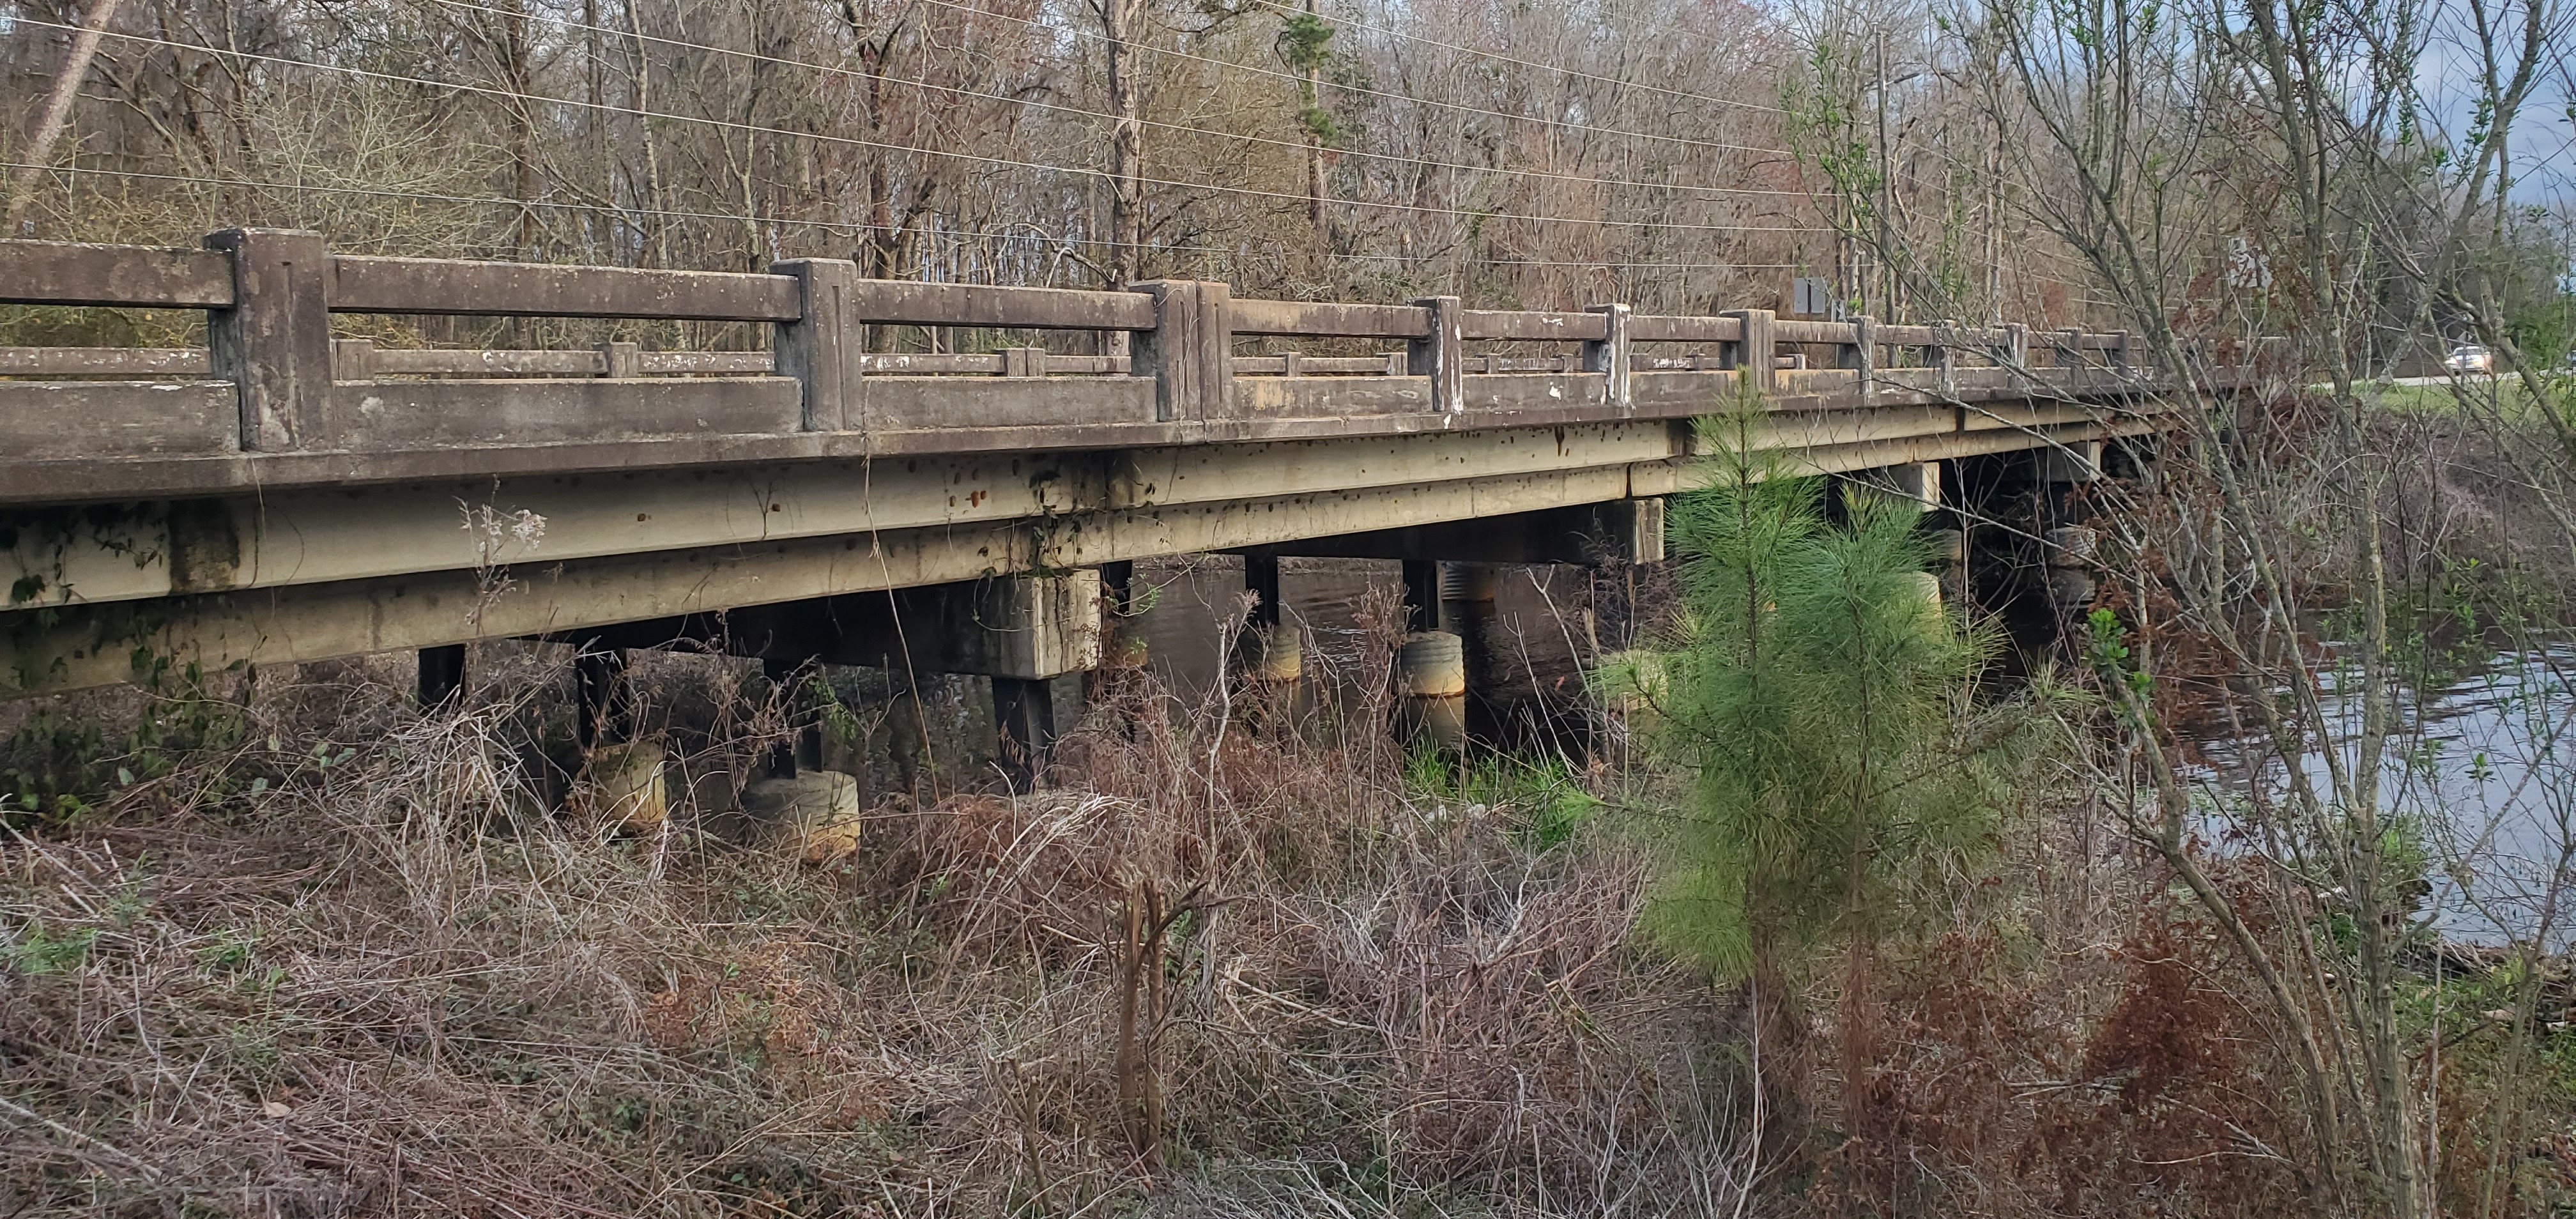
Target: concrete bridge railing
(292, 492)
(275, 392)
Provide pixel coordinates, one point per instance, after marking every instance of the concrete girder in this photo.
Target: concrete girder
(74, 555)
(100, 644)
(63, 556)
(89, 645)
(1621, 531)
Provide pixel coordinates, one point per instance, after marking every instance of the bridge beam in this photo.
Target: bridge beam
(1589, 535)
(1913, 485)
(82, 644)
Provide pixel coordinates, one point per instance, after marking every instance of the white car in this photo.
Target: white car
(2469, 357)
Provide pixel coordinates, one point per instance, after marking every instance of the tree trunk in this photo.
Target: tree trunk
(58, 109)
(1120, 22)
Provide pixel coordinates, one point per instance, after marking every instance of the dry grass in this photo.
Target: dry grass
(383, 983)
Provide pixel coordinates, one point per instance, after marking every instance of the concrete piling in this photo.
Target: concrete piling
(2070, 551)
(803, 748)
(1431, 677)
(1467, 595)
(621, 776)
(622, 786)
(1950, 563)
(604, 697)
(815, 813)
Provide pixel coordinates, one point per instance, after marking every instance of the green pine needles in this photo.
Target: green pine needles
(1821, 696)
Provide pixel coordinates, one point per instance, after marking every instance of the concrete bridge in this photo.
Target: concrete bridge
(284, 494)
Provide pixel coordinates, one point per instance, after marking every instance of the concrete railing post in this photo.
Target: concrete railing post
(2070, 347)
(2015, 352)
(1024, 362)
(1944, 353)
(1609, 356)
(1757, 354)
(821, 348)
(1441, 355)
(1189, 352)
(1861, 356)
(274, 344)
(621, 361)
(353, 359)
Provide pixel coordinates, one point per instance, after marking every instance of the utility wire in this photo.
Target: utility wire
(1053, 32)
(1031, 233)
(1059, 108)
(1574, 73)
(854, 141)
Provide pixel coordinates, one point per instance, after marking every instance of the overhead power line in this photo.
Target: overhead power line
(855, 141)
(1053, 31)
(1059, 108)
(854, 228)
(1575, 73)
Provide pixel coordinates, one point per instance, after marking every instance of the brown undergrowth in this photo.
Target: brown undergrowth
(381, 983)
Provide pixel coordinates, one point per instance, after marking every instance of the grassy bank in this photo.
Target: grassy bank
(371, 979)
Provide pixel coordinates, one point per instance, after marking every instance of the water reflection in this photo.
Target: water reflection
(2477, 775)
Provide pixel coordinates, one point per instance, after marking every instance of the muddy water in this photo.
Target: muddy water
(2479, 779)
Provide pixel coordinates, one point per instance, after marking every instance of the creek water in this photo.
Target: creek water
(2477, 778)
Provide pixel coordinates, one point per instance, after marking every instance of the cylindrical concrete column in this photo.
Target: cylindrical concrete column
(605, 714)
(1422, 594)
(1950, 562)
(1467, 595)
(1270, 654)
(1431, 677)
(2069, 553)
(621, 777)
(1926, 589)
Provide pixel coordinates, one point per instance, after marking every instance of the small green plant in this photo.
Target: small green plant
(230, 953)
(40, 952)
(1542, 797)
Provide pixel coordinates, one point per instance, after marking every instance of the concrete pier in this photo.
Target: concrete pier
(1431, 679)
(2070, 555)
